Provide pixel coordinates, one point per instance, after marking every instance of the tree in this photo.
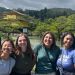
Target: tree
(49, 21)
(71, 23)
(59, 25)
(41, 27)
(8, 26)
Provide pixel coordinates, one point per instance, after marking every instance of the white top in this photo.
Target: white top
(6, 66)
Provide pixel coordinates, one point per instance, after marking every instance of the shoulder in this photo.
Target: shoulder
(56, 48)
(12, 60)
(73, 51)
(38, 46)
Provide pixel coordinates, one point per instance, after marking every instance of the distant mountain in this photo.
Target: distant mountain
(50, 13)
(43, 13)
(2, 9)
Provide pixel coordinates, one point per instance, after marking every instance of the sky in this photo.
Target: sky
(37, 4)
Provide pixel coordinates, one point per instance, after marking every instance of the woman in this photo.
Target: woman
(66, 61)
(6, 62)
(46, 53)
(24, 56)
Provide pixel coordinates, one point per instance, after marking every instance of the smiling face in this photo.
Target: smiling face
(6, 49)
(48, 40)
(68, 41)
(22, 42)
(7, 46)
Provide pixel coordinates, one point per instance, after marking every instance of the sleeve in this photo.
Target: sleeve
(74, 56)
(36, 49)
(13, 62)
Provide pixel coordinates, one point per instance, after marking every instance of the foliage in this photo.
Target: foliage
(71, 23)
(41, 27)
(49, 13)
(59, 25)
(56, 20)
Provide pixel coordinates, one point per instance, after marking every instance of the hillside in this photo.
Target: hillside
(43, 13)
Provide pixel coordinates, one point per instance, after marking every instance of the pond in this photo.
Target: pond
(34, 40)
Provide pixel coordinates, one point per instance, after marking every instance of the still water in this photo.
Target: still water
(34, 40)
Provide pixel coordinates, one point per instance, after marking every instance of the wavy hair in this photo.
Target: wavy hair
(29, 49)
(53, 37)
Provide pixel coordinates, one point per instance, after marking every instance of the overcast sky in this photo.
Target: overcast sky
(37, 4)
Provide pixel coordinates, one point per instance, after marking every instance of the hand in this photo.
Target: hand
(18, 51)
(5, 54)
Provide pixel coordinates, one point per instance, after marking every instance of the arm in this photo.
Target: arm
(74, 58)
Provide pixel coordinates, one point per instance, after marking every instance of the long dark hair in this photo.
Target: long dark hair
(53, 37)
(65, 34)
(29, 49)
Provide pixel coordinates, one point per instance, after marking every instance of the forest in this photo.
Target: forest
(56, 20)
